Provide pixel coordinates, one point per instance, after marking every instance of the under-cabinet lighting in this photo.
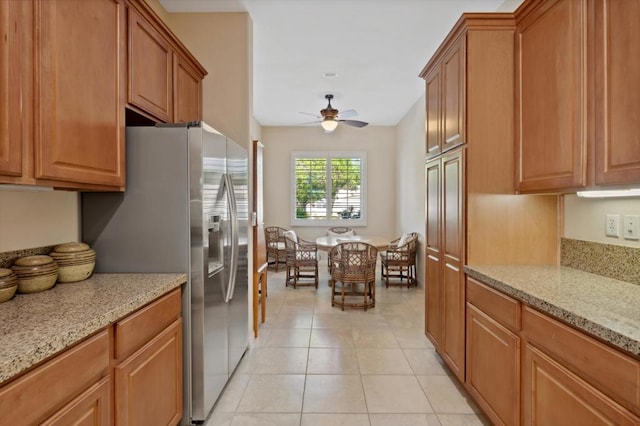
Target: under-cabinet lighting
(26, 188)
(632, 192)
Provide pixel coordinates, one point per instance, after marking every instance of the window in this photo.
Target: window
(328, 188)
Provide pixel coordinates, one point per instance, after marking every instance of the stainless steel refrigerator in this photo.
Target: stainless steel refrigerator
(185, 209)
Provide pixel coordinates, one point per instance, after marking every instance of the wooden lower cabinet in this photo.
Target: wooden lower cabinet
(92, 408)
(553, 395)
(524, 367)
(148, 384)
(87, 385)
(493, 367)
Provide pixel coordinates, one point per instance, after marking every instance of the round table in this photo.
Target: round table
(326, 243)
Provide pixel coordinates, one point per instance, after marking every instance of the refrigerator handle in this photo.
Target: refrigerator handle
(234, 236)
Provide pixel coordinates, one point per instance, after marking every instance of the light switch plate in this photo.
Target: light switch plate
(612, 227)
(631, 227)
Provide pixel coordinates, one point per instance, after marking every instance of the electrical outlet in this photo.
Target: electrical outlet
(612, 228)
(631, 227)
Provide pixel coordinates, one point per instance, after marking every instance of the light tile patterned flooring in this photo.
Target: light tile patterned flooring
(314, 365)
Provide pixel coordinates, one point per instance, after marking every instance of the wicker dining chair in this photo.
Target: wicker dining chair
(302, 261)
(276, 250)
(353, 275)
(398, 261)
(338, 230)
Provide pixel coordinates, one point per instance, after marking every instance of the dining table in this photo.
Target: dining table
(326, 243)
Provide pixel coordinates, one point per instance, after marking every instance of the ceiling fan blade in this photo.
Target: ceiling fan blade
(308, 113)
(354, 123)
(310, 122)
(348, 113)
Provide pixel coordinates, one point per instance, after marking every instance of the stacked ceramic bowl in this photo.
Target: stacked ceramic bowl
(8, 284)
(75, 260)
(35, 273)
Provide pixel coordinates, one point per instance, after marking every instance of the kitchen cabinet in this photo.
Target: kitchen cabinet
(472, 212)
(552, 394)
(148, 374)
(493, 352)
(65, 122)
(445, 298)
(12, 41)
(617, 92)
(91, 408)
(551, 95)
(575, 94)
(445, 99)
(129, 374)
(165, 81)
(48, 390)
(524, 366)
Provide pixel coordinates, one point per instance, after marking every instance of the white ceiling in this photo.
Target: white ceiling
(377, 48)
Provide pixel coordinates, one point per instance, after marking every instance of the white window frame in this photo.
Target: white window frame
(362, 221)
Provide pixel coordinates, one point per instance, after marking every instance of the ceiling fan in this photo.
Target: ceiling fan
(330, 117)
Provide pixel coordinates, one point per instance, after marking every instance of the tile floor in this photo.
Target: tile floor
(314, 365)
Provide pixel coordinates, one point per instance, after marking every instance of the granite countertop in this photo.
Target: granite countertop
(34, 327)
(600, 306)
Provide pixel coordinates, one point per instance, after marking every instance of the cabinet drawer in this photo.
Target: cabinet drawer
(92, 408)
(36, 395)
(500, 307)
(614, 373)
(141, 326)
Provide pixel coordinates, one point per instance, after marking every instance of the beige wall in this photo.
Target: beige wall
(409, 178)
(377, 142)
(30, 219)
(222, 42)
(584, 219)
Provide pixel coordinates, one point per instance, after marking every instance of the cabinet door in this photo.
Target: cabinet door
(551, 95)
(453, 295)
(493, 367)
(433, 285)
(453, 95)
(433, 123)
(552, 395)
(187, 96)
(79, 83)
(617, 99)
(150, 69)
(11, 52)
(92, 408)
(148, 384)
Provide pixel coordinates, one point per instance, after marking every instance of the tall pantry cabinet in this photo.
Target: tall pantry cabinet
(472, 213)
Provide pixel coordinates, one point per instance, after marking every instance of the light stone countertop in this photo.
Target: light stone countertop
(33, 327)
(600, 306)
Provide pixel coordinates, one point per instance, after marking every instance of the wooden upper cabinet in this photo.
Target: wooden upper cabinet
(617, 96)
(551, 113)
(165, 80)
(445, 78)
(433, 123)
(79, 91)
(187, 91)
(11, 53)
(453, 95)
(150, 68)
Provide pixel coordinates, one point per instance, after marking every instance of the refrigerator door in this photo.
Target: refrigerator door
(210, 213)
(238, 173)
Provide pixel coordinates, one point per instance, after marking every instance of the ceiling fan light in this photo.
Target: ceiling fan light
(329, 124)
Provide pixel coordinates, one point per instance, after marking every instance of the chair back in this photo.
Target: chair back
(354, 262)
(274, 235)
(340, 230)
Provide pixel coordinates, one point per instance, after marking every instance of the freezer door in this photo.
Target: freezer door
(238, 172)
